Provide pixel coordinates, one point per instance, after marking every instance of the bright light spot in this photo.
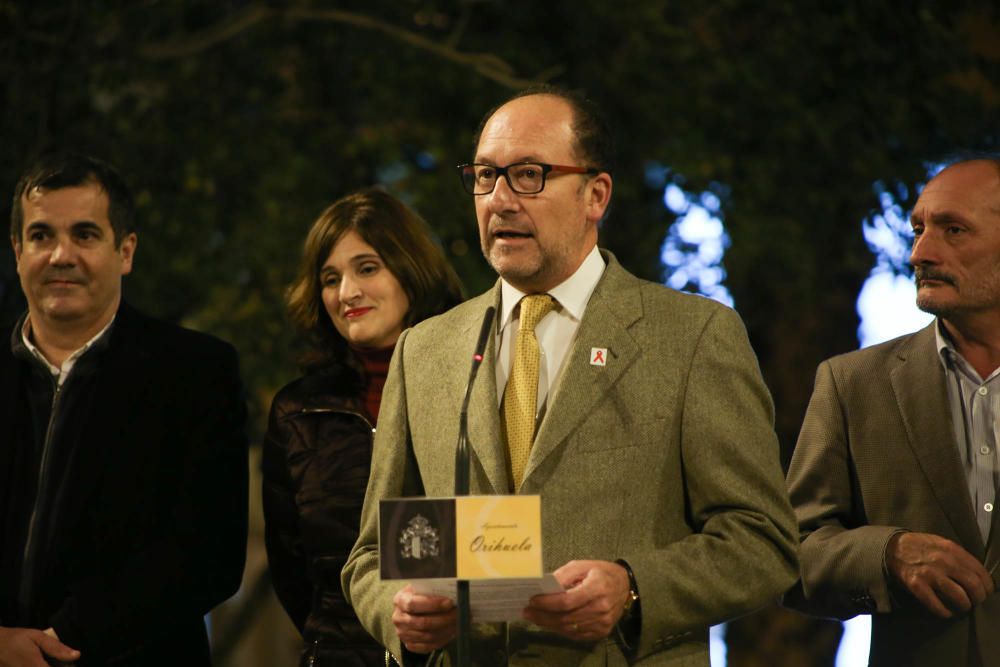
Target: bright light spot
(717, 645)
(698, 226)
(855, 642)
(713, 275)
(672, 257)
(710, 201)
(675, 199)
(678, 279)
(693, 250)
(710, 252)
(889, 236)
(887, 305)
(887, 302)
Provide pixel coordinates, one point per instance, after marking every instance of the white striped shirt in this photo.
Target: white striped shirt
(975, 408)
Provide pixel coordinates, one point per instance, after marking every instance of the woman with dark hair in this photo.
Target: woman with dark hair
(369, 269)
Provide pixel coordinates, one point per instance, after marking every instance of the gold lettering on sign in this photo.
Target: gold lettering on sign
(480, 543)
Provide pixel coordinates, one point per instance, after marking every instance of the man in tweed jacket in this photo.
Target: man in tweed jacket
(895, 473)
(656, 455)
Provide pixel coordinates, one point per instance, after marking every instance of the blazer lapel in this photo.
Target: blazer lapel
(485, 431)
(919, 384)
(615, 306)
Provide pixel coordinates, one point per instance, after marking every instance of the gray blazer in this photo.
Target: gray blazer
(665, 457)
(877, 455)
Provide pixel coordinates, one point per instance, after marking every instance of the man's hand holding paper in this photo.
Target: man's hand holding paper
(591, 605)
(424, 623)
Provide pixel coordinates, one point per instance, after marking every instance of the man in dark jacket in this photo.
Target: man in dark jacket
(123, 474)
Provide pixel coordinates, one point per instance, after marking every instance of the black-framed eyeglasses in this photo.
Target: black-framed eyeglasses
(525, 178)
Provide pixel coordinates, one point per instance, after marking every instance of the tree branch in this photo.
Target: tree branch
(485, 64)
(206, 39)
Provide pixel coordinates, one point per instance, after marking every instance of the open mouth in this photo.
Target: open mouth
(505, 234)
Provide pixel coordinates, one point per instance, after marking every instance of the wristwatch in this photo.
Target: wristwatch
(629, 626)
(632, 601)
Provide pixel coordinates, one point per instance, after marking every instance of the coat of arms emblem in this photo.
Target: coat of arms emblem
(419, 539)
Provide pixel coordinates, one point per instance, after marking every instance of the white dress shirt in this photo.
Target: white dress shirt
(975, 414)
(555, 332)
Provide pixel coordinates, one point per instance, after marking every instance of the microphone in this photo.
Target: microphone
(462, 450)
(464, 639)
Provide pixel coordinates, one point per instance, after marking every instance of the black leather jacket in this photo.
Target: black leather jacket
(316, 462)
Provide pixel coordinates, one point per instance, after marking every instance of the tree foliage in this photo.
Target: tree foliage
(237, 122)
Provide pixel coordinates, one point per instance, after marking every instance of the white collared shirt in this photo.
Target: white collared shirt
(60, 373)
(975, 413)
(555, 332)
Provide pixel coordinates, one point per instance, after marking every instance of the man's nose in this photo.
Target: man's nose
(63, 253)
(503, 198)
(924, 250)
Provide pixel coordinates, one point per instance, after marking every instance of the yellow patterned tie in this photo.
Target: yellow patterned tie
(521, 395)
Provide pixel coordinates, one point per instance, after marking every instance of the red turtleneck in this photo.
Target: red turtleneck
(376, 365)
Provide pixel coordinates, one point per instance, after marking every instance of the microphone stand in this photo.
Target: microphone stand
(464, 640)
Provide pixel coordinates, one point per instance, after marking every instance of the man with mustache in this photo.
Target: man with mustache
(894, 478)
(123, 471)
(648, 428)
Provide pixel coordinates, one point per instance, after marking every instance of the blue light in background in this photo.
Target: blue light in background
(854, 643)
(695, 244)
(887, 301)
(717, 645)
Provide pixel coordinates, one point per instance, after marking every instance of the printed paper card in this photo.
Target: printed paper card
(469, 537)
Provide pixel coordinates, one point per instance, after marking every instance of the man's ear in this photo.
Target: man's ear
(17, 248)
(127, 251)
(598, 196)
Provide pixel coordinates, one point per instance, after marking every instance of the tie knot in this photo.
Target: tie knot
(533, 308)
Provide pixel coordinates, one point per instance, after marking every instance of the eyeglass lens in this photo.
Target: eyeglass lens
(524, 178)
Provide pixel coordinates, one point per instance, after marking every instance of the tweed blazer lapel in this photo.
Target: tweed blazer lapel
(919, 385)
(485, 430)
(615, 305)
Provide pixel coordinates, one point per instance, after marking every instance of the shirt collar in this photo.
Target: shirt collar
(946, 348)
(67, 365)
(946, 351)
(572, 294)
